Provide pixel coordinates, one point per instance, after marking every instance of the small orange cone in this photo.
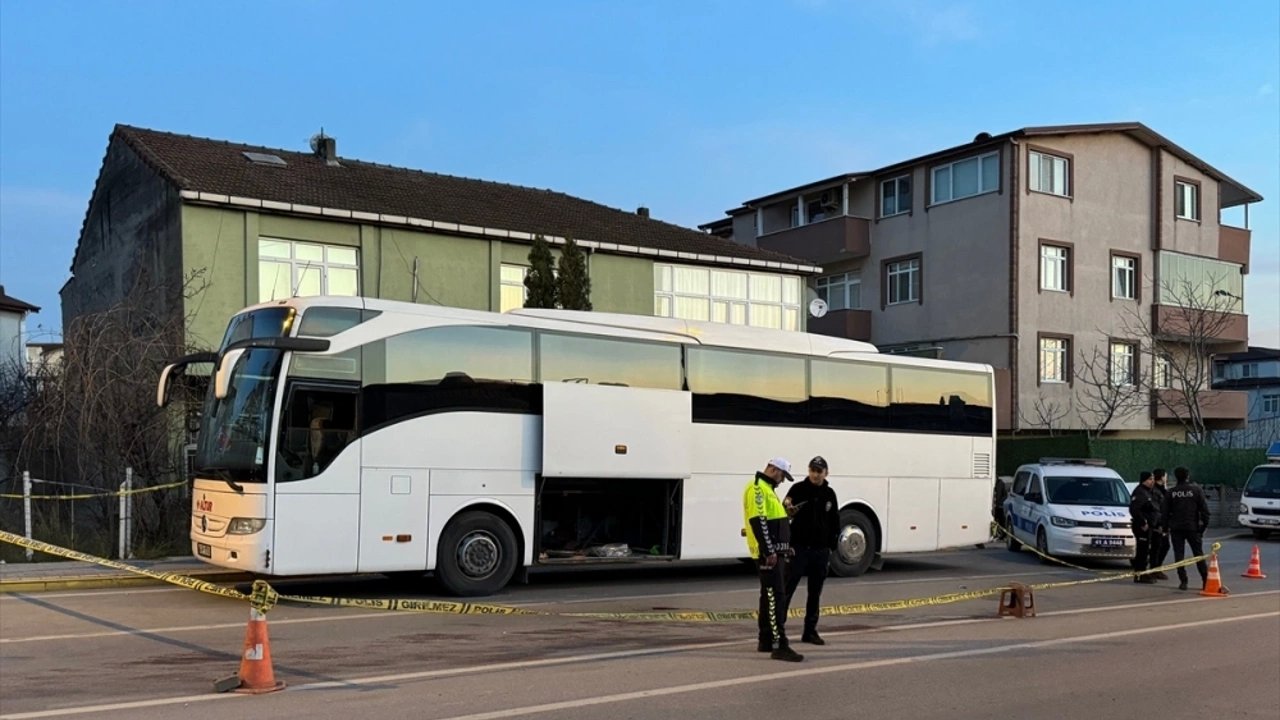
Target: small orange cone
(1213, 586)
(256, 673)
(1255, 566)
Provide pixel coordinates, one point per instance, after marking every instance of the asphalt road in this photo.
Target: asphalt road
(1103, 650)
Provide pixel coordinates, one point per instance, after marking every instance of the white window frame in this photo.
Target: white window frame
(1123, 363)
(1189, 193)
(911, 268)
(1162, 373)
(524, 289)
(897, 196)
(788, 309)
(1054, 352)
(950, 184)
(842, 284)
(296, 265)
(1270, 405)
(1051, 256)
(1036, 170)
(1118, 266)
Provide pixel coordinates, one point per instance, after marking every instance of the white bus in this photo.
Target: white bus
(353, 435)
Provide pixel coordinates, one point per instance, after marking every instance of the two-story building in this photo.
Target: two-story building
(256, 224)
(1035, 251)
(1255, 372)
(13, 333)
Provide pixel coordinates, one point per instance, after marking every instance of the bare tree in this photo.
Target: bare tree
(1193, 320)
(89, 420)
(1045, 415)
(1108, 391)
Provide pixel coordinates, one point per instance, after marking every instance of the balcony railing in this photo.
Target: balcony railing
(852, 324)
(826, 241)
(1221, 409)
(1228, 332)
(1233, 245)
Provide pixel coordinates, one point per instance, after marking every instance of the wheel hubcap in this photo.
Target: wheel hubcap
(479, 554)
(853, 544)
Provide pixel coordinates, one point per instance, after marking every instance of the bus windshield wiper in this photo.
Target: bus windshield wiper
(233, 485)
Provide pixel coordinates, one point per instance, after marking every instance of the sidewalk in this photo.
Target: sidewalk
(46, 576)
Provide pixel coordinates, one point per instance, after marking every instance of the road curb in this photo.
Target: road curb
(90, 582)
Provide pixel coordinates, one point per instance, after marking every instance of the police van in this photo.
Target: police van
(1070, 507)
(1260, 500)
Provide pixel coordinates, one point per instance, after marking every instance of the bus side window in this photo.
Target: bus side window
(319, 423)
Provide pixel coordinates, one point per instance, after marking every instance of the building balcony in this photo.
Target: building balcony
(1221, 409)
(1233, 245)
(1227, 332)
(825, 241)
(851, 324)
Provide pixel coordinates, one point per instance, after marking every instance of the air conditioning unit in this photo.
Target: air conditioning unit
(830, 198)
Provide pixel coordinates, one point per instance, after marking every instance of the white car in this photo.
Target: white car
(1076, 508)
(1260, 500)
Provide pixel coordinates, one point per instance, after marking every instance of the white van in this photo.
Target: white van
(1260, 501)
(1065, 507)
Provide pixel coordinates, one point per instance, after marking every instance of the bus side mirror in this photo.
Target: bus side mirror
(226, 368)
(162, 390)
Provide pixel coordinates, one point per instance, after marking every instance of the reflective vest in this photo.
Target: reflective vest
(760, 501)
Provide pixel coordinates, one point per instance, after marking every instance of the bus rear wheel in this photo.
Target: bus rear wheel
(856, 546)
(477, 555)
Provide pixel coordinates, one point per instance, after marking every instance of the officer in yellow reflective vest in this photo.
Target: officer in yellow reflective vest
(769, 540)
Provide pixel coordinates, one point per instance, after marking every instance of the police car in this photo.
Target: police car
(1066, 507)
(1260, 500)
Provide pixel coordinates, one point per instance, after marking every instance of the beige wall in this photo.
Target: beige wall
(1188, 236)
(965, 246)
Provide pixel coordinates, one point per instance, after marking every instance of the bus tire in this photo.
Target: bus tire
(857, 546)
(477, 555)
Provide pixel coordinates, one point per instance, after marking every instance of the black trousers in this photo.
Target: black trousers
(772, 617)
(1159, 548)
(1182, 538)
(1142, 553)
(813, 564)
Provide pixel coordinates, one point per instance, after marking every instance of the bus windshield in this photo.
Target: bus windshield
(234, 431)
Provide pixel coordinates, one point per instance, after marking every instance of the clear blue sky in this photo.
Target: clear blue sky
(688, 107)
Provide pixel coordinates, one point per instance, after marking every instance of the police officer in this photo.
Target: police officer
(1145, 514)
(1160, 538)
(815, 527)
(1188, 519)
(768, 539)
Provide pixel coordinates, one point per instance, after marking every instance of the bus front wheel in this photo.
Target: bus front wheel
(856, 546)
(477, 555)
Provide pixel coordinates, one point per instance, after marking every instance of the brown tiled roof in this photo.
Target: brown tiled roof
(13, 304)
(219, 167)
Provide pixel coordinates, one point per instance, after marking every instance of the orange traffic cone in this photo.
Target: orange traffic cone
(1255, 566)
(256, 673)
(1213, 586)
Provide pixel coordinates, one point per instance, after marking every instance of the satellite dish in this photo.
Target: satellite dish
(818, 307)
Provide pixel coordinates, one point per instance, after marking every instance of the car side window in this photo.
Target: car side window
(1036, 489)
(1020, 482)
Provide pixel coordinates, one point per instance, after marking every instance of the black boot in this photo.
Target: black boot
(786, 654)
(813, 638)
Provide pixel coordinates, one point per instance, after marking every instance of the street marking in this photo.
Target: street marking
(12, 597)
(625, 654)
(756, 678)
(187, 628)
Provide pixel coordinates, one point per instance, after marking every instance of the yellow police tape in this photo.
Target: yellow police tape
(88, 496)
(264, 597)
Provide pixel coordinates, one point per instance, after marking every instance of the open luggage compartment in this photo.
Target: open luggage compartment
(607, 520)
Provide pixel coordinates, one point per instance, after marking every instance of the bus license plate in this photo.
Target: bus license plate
(204, 551)
(1108, 542)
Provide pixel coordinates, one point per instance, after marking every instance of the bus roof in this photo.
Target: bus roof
(636, 326)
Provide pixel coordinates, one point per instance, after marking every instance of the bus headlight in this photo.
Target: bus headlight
(245, 526)
(1062, 521)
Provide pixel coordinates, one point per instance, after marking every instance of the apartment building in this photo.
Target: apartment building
(1040, 251)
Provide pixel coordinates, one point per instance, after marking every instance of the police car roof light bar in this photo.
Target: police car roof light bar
(1096, 462)
(1273, 452)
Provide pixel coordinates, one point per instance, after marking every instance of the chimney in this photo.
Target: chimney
(325, 148)
(643, 212)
